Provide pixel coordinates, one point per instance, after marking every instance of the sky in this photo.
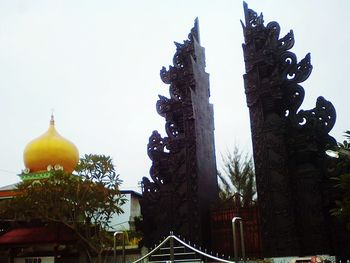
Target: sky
(96, 65)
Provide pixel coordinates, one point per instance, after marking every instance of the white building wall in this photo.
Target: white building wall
(131, 210)
(121, 222)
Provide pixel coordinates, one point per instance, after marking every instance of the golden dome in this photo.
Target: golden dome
(50, 150)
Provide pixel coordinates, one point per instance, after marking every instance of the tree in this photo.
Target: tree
(342, 209)
(84, 202)
(237, 177)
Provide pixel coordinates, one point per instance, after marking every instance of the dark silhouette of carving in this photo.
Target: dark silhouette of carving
(183, 172)
(289, 143)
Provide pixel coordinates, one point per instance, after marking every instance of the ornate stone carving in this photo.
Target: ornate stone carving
(183, 171)
(289, 143)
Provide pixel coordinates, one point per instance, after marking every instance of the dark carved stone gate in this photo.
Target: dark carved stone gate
(289, 145)
(183, 163)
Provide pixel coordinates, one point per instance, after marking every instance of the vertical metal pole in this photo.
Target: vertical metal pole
(242, 240)
(123, 247)
(235, 254)
(114, 247)
(235, 239)
(171, 241)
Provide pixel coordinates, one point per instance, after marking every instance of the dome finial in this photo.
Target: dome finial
(52, 121)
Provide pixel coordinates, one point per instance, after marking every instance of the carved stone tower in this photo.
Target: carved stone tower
(289, 144)
(183, 164)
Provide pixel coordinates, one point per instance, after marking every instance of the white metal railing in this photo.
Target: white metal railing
(172, 236)
(153, 250)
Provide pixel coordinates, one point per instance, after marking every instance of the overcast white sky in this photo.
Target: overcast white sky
(96, 63)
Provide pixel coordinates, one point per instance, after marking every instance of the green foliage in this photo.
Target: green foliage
(344, 148)
(237, 177)
(99, 171)
(342, 209)
(131, 238)
(85, 202)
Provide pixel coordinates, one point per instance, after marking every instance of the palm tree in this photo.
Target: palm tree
(237, 177)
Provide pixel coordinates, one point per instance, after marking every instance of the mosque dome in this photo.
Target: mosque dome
(50, 150)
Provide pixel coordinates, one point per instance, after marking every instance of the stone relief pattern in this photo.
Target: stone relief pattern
(280, 134)
(171, 199)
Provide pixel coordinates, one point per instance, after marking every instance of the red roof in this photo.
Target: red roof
(30, 235)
